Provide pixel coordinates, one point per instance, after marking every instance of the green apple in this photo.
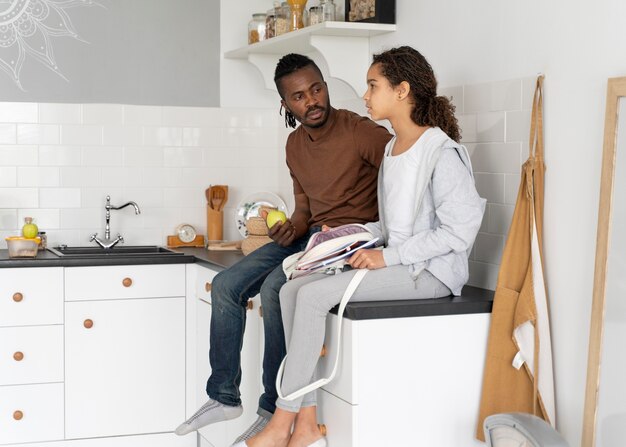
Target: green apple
(275, 216)
(29, 230)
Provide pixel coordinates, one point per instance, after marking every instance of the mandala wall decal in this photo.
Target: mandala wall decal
(27, 28)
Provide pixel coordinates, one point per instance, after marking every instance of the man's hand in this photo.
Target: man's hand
(367, 259)
(283, 233)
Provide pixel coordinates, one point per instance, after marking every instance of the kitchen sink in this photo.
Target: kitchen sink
(117, 251)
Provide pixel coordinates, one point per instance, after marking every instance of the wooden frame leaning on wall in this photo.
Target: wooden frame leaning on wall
(616, 89)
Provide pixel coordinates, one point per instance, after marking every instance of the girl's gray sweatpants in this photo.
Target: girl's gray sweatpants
(306, 301)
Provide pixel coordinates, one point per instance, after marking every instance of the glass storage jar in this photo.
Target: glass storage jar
(328, 10)
(315, 15)
(270, 23)
(296, 17)
(282, 19)
(256, 28)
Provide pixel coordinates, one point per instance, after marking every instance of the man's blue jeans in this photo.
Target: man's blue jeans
(260, 271)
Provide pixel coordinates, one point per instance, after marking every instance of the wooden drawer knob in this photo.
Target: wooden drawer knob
(322, 429)
(250, 305)
(207, 286)
(324, 351)
(17, 415)
(88, 323)
(127, 282)
(18, 356)
(261, 311)
(17, 297)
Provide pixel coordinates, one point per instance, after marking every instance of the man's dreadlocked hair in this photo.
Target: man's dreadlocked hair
(407, 64)
(287, 65)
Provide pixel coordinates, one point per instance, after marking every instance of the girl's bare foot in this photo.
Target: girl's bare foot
(268, 438)
(304, 437)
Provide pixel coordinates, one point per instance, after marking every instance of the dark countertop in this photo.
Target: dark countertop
(472, 300)
(215, 259)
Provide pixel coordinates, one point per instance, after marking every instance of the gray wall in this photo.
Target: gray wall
(157, 52)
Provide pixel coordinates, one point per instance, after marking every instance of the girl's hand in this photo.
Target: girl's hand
(326, 227)
(367, 259)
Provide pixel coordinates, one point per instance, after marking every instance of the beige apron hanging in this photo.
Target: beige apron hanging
(518, 369)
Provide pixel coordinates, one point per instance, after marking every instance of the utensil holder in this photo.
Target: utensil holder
(214, 224)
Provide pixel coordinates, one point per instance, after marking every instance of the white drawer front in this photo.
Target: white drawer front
(124, 281)
(41, 408)
(31, 296)
(31, 355)
(204, 283)
(340, 420)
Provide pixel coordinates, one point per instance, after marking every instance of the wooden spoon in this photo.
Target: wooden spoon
(218, 197)
(207, 194)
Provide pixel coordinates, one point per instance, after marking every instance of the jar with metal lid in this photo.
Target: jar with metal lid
(315, 15)
(43, 244)
(256, 28)
(282, 17)
(328, 10)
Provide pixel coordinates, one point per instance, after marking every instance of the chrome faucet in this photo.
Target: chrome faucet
(107, 243)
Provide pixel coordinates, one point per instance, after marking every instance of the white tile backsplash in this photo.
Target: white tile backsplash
(8, 176)
(499, 218)
(496, 157)
(493, 96)
(490, 127)
(44, 218)
(60, 113)
(102, 156)
(59, 161)
(38, 134)
(162, 136)
(490, 186)
(8, 219)
(76, 177)
(8, 134)
(38, 176)
(122, 135)
(19, 197)
(142, 115)
(81, 135)
(182, 157)
(59, 197)
(103, 114)
(18, 112)
(511, 187)
(517, 125)
(18, 156)
(60, 155)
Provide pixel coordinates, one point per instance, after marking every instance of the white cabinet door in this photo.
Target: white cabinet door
(126, 373)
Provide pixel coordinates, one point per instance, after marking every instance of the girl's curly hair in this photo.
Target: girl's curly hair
(407, 64)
